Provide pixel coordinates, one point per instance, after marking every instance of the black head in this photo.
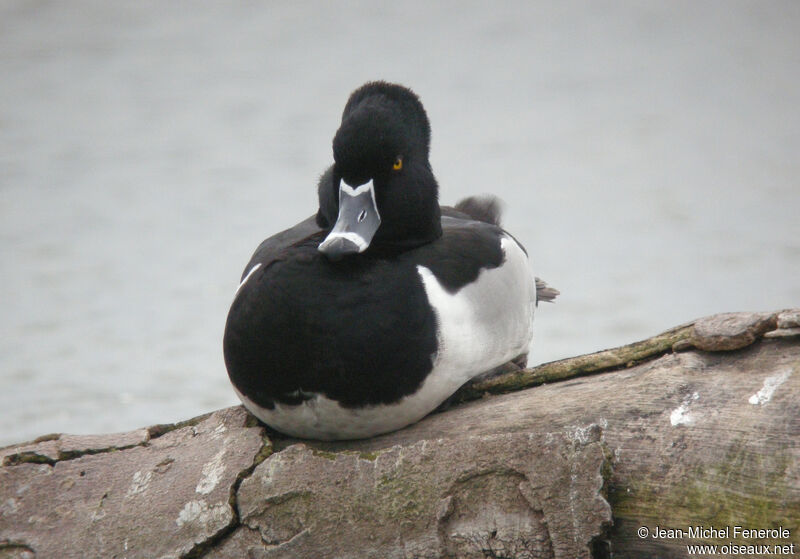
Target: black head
(380, 193)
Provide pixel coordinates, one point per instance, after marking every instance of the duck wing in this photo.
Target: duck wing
(488, 208)
(273, 248)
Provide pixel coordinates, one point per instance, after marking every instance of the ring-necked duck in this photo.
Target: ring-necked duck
(364, 318)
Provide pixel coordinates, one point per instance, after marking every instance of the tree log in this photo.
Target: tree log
(689, 437)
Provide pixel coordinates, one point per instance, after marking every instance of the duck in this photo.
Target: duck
(368, 315)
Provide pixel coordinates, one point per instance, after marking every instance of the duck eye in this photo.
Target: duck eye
(362, 215)
(398, 163)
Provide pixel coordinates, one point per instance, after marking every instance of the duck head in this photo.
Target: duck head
(380, 191)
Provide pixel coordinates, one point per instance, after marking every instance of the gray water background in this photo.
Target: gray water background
(648, 153)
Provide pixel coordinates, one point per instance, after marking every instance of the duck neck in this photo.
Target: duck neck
(410, 216)
(411, 237)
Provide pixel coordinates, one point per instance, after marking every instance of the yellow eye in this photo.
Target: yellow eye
(398, 163)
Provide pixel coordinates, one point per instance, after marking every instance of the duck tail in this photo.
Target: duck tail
(544, 292)
(486, 208)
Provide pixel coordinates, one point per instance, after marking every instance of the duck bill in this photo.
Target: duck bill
(356, 224)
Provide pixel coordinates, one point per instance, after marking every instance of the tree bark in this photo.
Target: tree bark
(686, 438)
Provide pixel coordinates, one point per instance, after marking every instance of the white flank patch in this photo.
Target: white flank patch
(487, 322)
(212, 473)
(247, 277)
(771, 384)
(681, 415)
(483, 325)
